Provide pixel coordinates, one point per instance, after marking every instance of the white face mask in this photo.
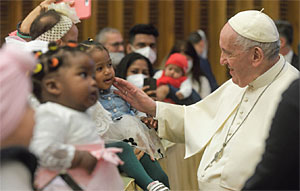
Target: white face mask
(137, 79)
(147, 52)
(190, 65)
(116, 57)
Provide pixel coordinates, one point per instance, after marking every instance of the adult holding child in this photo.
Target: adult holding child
(228, 127)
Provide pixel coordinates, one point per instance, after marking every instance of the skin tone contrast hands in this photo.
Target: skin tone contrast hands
(135, 96)
(139, 100)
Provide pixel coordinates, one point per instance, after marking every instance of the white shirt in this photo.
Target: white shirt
(204, 89)
(204, 125)
(57, 130)
(289, 56)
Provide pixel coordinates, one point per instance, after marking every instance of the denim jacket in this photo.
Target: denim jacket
(114, 104)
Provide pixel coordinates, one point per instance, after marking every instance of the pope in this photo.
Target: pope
(228, 127)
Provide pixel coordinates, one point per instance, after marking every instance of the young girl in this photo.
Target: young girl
(124, 125)
(63, 83)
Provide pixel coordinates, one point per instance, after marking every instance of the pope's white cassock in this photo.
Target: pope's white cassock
(204, 126)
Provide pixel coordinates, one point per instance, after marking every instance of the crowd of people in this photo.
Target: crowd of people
(59, 96)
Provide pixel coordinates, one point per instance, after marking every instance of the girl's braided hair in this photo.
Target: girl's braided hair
(90, 45)
(50, 62)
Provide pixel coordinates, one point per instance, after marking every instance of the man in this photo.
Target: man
(230, 125)
(285, 30)
(142, 39)
(200, 46)
(112, 39)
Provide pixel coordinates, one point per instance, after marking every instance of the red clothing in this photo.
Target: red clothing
(175, 82)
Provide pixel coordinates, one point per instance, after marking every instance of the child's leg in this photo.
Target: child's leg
(132, 166)
(154, 170)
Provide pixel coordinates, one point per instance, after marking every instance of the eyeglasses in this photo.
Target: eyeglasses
(117, 44)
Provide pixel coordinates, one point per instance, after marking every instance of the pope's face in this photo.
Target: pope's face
(235, 58)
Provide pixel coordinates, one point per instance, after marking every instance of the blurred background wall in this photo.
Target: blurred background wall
(175, 19)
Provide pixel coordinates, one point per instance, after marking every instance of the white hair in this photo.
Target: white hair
(101, 36)
(270, 49)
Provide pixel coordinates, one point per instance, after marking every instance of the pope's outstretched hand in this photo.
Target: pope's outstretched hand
(135, 96)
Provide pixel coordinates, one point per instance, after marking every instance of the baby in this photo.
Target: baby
(63, 82)
(172, 77)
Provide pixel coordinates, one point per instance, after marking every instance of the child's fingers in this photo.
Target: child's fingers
(152, 158)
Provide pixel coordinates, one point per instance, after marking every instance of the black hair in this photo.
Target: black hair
(285, 29)
(148, 29)
(194, 37)
(122, 67)
(90, 45)
(44, 22)
(49, 62)
(186, 47)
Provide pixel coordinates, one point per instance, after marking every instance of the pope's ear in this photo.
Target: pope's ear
(52, 86)
(258, 56)
(128, 48)
(282, 42)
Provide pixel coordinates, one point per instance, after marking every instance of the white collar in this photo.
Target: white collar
(289, 56)
(269, 75)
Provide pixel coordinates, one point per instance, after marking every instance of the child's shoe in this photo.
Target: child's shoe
(157, 186)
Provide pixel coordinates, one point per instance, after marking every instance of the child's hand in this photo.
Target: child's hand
(179, 95)
(84, 159)
(150, 122)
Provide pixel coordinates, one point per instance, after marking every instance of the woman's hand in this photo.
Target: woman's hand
(179, 95)
(150, 93)
(139, 154)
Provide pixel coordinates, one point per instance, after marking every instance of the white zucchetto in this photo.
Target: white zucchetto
(254, 25)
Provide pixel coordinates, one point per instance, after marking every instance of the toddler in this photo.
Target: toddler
(63, 83)
(123, 125)
(174, 76)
